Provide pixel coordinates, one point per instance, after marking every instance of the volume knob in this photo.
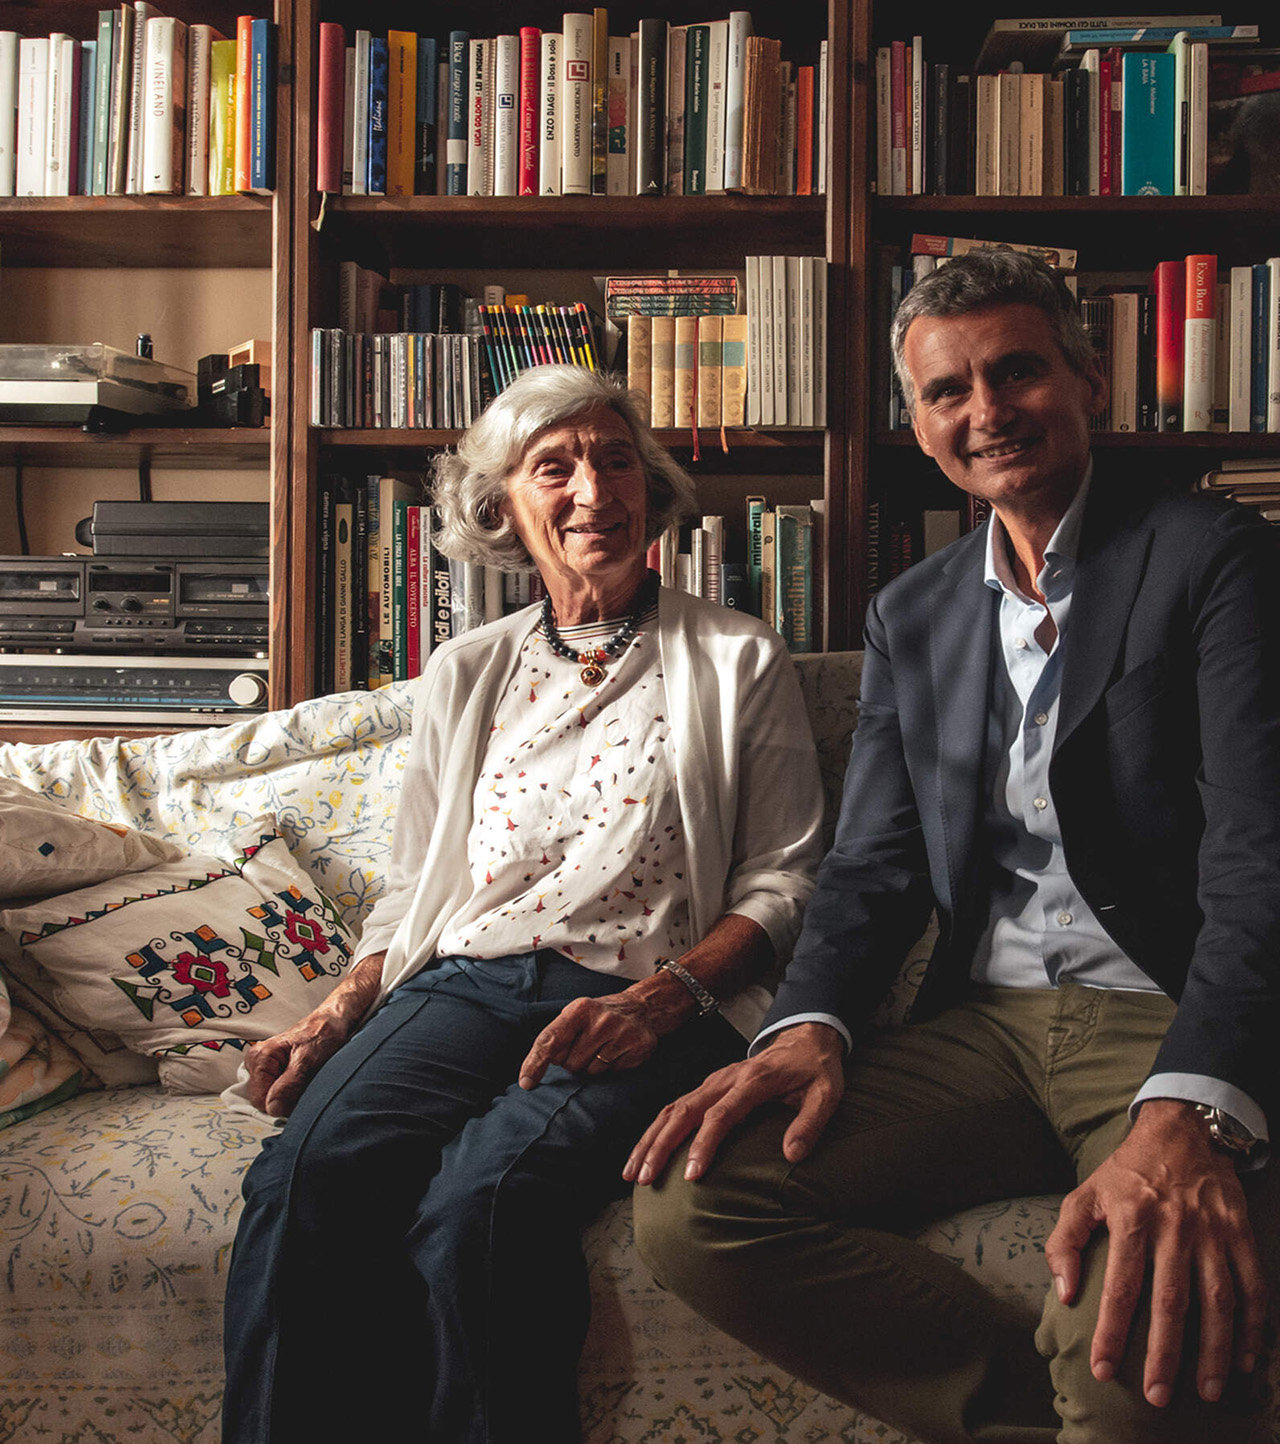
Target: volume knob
(247, 689)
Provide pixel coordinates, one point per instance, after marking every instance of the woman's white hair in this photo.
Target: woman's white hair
(469, 485)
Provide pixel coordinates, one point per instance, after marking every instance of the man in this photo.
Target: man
(1069, 748)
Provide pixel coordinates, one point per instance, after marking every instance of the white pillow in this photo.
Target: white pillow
(46, 848)
(193, 960)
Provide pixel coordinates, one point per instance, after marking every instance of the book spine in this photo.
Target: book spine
(685, 372)
(1008, 128)
(1241, 347)
(400, 591)
(717, 79)
(262, 108)
(712, 529)
(222, 81)
(360, 116)
(1273, 344)
(575, 137)
(677, 58)
(88, 57)
(412, 590)
(33, 114)
(530, 66)
(697, 63)
(1198, 123)
(104, 65)
(244, 103)
(804, 131)
(137, 71)
(200, 40)
(1106, 184)
(735, 89)
(1031, 135)
(1147, 167)
(427, 106)
(506, 116)
(1180, 49)
(986, 137)
(9, 111)
(1091, 61)
(370, 597)
(709, 361)
(650, 108)
(618, 85)
(663, 377)
(599, 101)
(1124, 362)
(164, 126)
(733, 372)
(331, 95)
(1199, 332)
(1259, 368)
(794, 572)
(59, 133)
(379, 78)
(917, 116)
(899, 113)
(549, 137)
(402, 110)
(1169, 286)
(640, 361)
(342, 598)
(456, 144)
(121, 73)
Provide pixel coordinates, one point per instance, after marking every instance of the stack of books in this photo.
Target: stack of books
(1117, 109)
(698, 109)
(148, 106)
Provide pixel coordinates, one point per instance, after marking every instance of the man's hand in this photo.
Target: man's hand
(1174, 1210)
(593, 1035)
(803, 1067)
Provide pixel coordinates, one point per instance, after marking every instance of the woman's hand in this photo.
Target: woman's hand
(594, 1035)
(281, 1067)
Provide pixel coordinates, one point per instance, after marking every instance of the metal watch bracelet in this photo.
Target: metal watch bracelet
(706, 1002)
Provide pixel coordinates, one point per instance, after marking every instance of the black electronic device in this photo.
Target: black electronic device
(136, 689)
(177, 529)
(136, 604)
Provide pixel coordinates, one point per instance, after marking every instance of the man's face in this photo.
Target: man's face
(1000, 409)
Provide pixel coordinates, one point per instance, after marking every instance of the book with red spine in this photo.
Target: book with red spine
(1105, 117)
(899, 114)
(244, 111)
(530, 67)
(331, 92)
(1199, 335)
(413, 590)
(804, 130)
(1169, 286)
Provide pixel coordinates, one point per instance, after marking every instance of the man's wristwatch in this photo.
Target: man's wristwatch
(1225, 1132)
(705, 1000)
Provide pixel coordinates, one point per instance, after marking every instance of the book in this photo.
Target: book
(1147, 166)
(457, 130)
(506, 116)
(915, 101)
(549, 138)
(576, 96)
(1260, 365)
(618, 94)
(1180, 48)
(87, 105)
(1273, 344)
(1199, 332)
(717, 75)
(529, 111)
(1169, 287)
(222, 106)
(793, 563)
(710, 358)
(1240, 360)
(427, 130)
(359, 114)
(104, 65)
(262, 108)
(662, 395)
(650, 107)
(165, 103)
(761, 90)
(343, 600)
(33, 120)
(1158, 35)
(739, 28)
(640, 359)
(712, 529)
(376, 133)
(733, 371)
(200, 40)
(685, 373)
(1062, 258)
(696, 80)
(61, 116)
(402, 111)
(1034, 41)
(599, 101)
(677, 59)
(330, 98)
(244, 109)
(1124, 361)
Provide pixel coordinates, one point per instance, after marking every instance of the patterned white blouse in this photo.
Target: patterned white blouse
(577, 842)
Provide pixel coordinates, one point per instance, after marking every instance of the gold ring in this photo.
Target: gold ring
(600, 1058)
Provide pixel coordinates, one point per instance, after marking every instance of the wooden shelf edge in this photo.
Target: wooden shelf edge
(1241, 441)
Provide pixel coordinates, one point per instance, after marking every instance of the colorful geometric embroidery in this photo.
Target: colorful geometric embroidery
(47, 930)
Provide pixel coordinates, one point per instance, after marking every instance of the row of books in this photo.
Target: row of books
(901, 532)
(1252, 481)
(1137, 112)
(148, 106)
(667, 109)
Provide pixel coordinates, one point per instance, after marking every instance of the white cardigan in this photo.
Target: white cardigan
(745, 766)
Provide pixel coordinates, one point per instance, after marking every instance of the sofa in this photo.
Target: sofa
(118, 1204)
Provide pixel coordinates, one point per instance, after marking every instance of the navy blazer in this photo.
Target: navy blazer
(1165, 775)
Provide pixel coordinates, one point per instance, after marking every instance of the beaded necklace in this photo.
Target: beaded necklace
(594, 659)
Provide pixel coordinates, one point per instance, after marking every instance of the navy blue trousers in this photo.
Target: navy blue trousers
(408, 1264)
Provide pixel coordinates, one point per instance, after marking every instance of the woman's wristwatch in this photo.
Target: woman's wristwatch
(705, 1000)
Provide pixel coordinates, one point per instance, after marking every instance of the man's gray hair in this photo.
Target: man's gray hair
(469, 485)
(992, 277)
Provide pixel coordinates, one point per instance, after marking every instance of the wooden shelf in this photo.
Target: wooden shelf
(129, 231)
(476, 231)
(183, 448)
(1248, 443)
(381, 439)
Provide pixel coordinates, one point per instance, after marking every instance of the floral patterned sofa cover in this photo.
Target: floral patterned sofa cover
(118, 1206)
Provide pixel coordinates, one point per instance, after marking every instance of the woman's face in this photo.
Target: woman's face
(577, 500)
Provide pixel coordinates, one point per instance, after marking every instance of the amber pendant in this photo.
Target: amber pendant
(592, 674)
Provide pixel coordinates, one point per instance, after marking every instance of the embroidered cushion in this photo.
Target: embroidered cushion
(195, 959)
(46, 848)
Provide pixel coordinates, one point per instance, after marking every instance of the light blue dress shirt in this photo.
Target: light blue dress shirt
(1040, 931)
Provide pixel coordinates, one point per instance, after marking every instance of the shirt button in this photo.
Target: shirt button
(1040, 803)
(1041, 718)
(1064, 920)
(1020, 643)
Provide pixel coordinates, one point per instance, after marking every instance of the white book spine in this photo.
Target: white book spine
(1273, 346)
(164, 129)
(917, 115)
(137, 75)
(806, 346)
(1241, 362)
(349, 121)
(1198, 127)
(884, 122)
(768, 416)
(820, 349)
(1091, 61)
(794, 322)
(753, 340)
(717, 102)
(59, 97)
(633, 113)
(781, 318)
(8, 111)
(33, 113)
(575, 135)
(549, 116)
(360, 118)
(199, 46)
(1180, 49)
(618, 178)
(734, 114)
(477, 172)
(712, 557)
(820, 177)
(506, 117)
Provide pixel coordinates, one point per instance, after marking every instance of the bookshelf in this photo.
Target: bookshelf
(1115, 235)
(126, 264)
(584, 236)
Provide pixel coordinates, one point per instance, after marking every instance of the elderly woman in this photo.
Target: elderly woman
(607, 833)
